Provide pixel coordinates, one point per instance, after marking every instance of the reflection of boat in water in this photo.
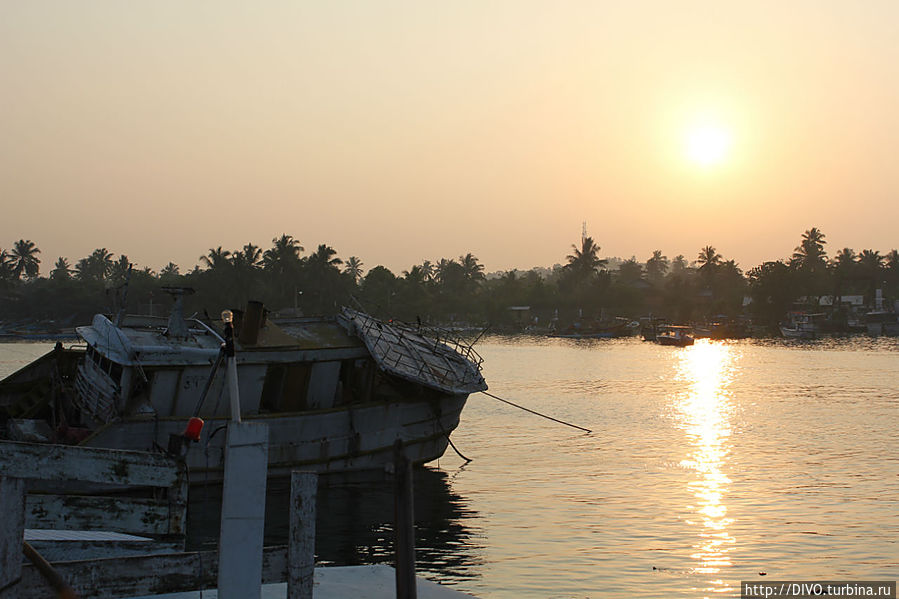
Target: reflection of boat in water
(803, 326)
(678, 336)
(612, 329)
(336, 393)
(354, 522)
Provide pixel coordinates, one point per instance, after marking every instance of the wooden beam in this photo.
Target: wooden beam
(119, 577)
(301, 550)
(115, 514)
(39, 461)
(12, 534)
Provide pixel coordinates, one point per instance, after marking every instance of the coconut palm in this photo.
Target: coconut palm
(657, 265)
(216, 259)
(810, 254)
(708, 259)
(585, 260)
(474, 271)
(284, 256)
(23, 259)
(353, 267)
(62, 271)
(95, 267)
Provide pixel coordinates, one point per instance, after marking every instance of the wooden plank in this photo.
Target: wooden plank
(38, 461)
(12, 533)
(66, 551)
(121, 577)
(115, 514)
(301, 550)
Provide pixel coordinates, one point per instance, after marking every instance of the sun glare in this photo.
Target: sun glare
(708, 144)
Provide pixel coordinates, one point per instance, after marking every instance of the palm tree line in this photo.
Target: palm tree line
(449, 289)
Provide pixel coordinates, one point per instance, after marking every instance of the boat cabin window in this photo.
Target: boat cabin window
(111, 368)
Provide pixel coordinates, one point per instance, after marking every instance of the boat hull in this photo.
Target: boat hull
(326, 441)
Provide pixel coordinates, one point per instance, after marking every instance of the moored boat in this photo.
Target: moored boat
(803, 325)
(335, 392)
(674, 335)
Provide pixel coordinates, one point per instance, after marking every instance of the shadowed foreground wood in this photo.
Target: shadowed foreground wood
(145, 575)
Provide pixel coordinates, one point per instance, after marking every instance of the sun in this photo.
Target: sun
(707, 144)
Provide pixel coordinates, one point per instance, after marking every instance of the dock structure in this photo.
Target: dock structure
(154, 564)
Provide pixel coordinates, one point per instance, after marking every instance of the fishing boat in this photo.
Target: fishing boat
(336, 393)
(678, 336)
(602, 329)
(803, 325)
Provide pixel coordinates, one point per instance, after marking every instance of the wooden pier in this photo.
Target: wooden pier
(153, 563)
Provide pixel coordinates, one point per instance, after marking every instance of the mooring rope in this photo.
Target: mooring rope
(536, 413)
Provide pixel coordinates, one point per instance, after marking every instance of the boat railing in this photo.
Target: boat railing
(426, 353)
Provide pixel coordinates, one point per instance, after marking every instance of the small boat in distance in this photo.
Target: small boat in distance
(675, 335)
(803, 326)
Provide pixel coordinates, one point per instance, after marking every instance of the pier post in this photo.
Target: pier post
(12, 534)
(404, 524)
(301, 548)
(243, 511)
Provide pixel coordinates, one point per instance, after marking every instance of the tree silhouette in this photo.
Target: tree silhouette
(23, 259)
(809, 254)
(62, 271)
(216, 259)
(584, 261)
(353, 267)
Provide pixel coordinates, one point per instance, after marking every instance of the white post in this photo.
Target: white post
(12, 534)
(243, 511)
(233, 390)
(301, 548)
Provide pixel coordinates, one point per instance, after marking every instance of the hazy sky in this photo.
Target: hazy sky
(404, 131)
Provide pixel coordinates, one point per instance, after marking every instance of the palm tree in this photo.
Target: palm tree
(62, 271)
(474, 271)
(95, 267)
(585, 260)
(657, 266)
(23, 259)
(353, 267)
(324, 257)
(169, 271)
(428, 270)
(810, 254)
(119, 271)
(216, 259)
(284, 256)
(250, 257)
(5, 266)
(708, 259)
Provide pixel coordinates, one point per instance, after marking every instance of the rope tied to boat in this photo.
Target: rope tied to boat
(586, 430)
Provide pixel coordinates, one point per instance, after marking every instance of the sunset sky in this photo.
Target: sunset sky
(404, 131)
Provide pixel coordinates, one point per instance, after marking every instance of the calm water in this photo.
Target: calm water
(706, 466)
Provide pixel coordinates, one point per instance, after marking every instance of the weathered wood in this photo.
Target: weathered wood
(243, 510)
(49, 573)
(76, 550)
(404, 525)
(115, 514)
(12, 534)
(38, 461)
(146, 575)
(178, 502)
(301, 550)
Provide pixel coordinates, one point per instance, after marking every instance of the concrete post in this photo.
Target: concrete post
(301, 549)
(404, 525)
(243, 511)
(12, 534)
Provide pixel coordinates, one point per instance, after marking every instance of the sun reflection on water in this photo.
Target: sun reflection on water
(704, 409)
